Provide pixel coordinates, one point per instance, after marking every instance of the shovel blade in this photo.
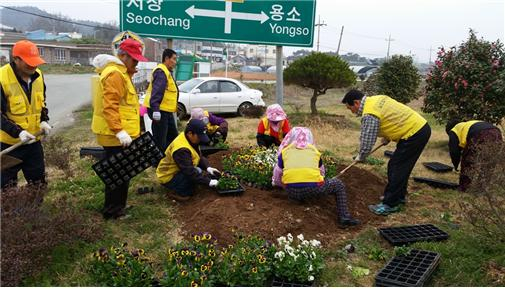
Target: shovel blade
(9, 161)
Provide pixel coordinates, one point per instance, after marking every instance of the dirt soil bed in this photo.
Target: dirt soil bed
(269, 213)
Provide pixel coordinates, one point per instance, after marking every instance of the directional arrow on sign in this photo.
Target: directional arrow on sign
(228, 15)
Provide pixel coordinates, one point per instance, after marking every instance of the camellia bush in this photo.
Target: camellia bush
(397, 78)
(468, 82)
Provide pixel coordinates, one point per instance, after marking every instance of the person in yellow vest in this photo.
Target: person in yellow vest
(301, 172)
(465, 139)
(393, 121)
(183, 165)
(24, 113)
(273, 127)
(161, 100)
(116, 119)
(217, 127)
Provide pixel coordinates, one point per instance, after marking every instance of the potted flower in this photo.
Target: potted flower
(297, 261)
(229, 184)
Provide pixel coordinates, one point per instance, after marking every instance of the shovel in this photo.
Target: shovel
(354, 163)
(9, 161)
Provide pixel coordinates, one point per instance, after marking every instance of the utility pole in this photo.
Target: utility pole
(389, 45)
(430, 56)
(340, 39)
(265, 55)
(319, 24)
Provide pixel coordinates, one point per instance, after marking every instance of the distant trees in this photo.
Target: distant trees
(468, 82)
(397, 78)
(319, 72)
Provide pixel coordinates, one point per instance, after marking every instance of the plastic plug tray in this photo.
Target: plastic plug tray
(237, 191)
(398, 236)
(436, 183)
(437, 166)
(121, 167)
(412, 270)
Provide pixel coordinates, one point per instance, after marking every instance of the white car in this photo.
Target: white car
(216, 95)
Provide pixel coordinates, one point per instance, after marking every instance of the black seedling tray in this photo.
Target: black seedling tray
(209, 150)
(436, 183)
(96, 152)
(398, 236)
(281, 283)
(412, 270)
(237, 191)
(437, 166)
(389, 153)
(121, 167)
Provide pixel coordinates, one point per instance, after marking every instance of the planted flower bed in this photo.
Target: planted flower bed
(254, 165)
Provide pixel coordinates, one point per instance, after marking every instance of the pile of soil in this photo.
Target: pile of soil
(269, 213)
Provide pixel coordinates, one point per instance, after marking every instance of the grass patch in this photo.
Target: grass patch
(66, 69)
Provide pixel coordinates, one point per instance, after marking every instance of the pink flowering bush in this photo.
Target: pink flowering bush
(468, 82)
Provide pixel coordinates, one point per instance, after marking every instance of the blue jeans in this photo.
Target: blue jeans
(182, 184)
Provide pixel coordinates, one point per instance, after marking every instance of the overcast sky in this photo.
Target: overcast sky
(415, 25)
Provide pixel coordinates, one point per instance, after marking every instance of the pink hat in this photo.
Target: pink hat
(275, 113)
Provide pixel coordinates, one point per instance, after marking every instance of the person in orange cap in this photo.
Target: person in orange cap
(116, 118)
(24, 112)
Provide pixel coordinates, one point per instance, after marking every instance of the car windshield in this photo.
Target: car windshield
(187, 86)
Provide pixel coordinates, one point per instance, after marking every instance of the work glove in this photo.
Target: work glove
(25, 136)
(385, 141)
(213, 182)
(46, 127)
(213, 171)
(124, 138)
(156, 116)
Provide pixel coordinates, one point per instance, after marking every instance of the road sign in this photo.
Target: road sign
(272, 22)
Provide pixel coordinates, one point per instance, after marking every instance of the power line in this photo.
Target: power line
(59, 19)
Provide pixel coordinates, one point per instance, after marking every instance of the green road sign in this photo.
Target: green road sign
(273, 22)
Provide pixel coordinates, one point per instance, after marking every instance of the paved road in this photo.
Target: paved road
(66, 93)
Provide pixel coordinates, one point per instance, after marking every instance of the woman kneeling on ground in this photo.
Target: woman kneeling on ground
(300, 171)
(273, 127)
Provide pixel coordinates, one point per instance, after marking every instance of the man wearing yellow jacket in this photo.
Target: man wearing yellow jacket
(465, 140)
(116, 120)
(161, 100)
(183, 165)
(393, 121)
(24, 113)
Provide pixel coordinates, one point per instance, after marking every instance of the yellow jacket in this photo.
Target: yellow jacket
(167, 168)
(461, 130)
(20, 110)
(301, 165)
(169, 101)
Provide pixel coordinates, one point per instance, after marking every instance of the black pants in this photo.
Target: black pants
(33, 166)
(267, 141)
(115, 199)
(401, 164)
(164, 130)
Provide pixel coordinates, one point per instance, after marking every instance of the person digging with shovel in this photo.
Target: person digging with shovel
(394, 121)
(24, 113)
(300, 171)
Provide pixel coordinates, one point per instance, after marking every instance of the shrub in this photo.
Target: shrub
(30, 231)
(191, 263)
(298, 260)
(397, 78)
(467, 82)
(254, 111)
(319, 72)
(121, 267)
(370, 86)
(485, 208)
(246, 263)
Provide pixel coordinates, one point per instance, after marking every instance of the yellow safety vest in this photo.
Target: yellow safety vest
(211, 129)
(169, 101)
(301, 165)
(167, 168)
(25, 113)
(266, 125)
(128, 108)
(461, 130)
(397, 121)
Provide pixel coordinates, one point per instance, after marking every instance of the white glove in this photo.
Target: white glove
(46, 127)
(213, 171)
(385, 141)
(25, 136)
(124, 138)
(213, 182)
(156, 116)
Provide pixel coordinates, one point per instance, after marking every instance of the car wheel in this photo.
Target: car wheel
(181, 111)
(243, 107)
